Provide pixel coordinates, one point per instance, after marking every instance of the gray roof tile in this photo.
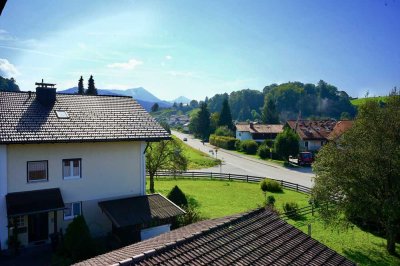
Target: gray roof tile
(92, 118)
(259, 237)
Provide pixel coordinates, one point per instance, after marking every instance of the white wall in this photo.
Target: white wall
(313, 145)
(3, 193)
(243, 135)
(109, 170)
(154, 231)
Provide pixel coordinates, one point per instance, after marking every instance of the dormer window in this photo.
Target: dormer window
(62, 114)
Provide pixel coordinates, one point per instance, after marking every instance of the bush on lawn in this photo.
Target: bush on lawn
(223, 141)
(178, 197)
(78, 243)
(271, 200)
(249, 146)
(271, 186)
(263, 152)
(291, 210)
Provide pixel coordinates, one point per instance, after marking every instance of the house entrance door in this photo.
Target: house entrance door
(38, 227)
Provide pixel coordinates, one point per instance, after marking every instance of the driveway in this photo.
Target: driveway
(241, 164)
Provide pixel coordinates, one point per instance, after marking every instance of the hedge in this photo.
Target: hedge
(223, 142)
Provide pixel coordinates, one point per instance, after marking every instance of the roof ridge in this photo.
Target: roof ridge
(74, 94)
(173, 244)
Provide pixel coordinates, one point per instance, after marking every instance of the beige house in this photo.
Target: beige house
(67, 155)
(257, 132)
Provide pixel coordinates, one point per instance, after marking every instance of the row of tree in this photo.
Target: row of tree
(91, 90)
(286, 101)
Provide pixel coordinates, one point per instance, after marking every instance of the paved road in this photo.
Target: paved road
(241, 164)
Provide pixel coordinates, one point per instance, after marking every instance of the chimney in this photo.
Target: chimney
(45, 93)
(251, 125)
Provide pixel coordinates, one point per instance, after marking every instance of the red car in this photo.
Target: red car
(305, 158)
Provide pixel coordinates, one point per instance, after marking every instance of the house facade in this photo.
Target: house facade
(257, 132)
(313, 134)
(60, 155)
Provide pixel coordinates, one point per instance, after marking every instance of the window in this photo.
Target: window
(18, 221)
(37, 171)
(62, 114)
(71, 168)
(72, 210)
(306, 144)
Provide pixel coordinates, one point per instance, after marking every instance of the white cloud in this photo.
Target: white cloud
(7, 69)
(168, 57)
(131, 64)
(6, 36)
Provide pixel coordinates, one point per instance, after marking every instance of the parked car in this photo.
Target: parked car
(305, 158)
(184, 139)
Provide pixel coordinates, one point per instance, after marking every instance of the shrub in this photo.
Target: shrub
(291, 209)
(223, 141)
(271, 200)
(192, 216)
(224, 131)
(270, 185)
(249, 146)
(178, 197)
(263, 152)
(78, 243)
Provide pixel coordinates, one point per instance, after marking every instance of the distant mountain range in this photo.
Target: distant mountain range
(181, 99)
(141, 95)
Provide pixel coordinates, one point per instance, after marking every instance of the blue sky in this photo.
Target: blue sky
(200, 48)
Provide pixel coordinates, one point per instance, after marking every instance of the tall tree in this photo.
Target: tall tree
(204, 122)
(225, 116)
(194, 104)
(166, 155)
(8, 84)
(360, 174)
(81, 89)
(286, 144)
(270, 114)
(91, 87)
(155, 107)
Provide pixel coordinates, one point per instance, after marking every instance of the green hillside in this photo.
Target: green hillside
(359, 101)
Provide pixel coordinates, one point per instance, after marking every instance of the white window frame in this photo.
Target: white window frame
(71, 169)
(72, 215)
(20, 221)
(38, 180)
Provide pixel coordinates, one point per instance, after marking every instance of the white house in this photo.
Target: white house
(66, 155)
(313, 134)
(257, 132)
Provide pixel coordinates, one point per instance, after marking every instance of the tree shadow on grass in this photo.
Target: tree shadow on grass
(377, 255)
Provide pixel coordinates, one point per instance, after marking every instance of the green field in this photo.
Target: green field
(359, 101)
(197, 159)
(217, 198)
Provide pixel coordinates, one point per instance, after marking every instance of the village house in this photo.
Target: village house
(257, 132)
(178, 120)
(340, 128)
(313, 134)
(67, 155)
(259, 237)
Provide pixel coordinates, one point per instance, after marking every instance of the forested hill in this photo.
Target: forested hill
(8, 84)
(314, 101)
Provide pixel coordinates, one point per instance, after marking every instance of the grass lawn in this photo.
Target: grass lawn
(217, 198)
(197, 159)
(359, 246)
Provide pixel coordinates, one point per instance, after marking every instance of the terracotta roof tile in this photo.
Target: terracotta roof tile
(312, 129)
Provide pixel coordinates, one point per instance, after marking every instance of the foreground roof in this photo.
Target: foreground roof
(312, 129)
(260, 128)
(91, 118)
(256, 238)
(140, 209)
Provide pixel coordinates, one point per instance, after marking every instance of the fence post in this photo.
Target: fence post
(192, 175)
(282, 183)
(297, 187)
(229, 176)
(247, 178)
(211, 175)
